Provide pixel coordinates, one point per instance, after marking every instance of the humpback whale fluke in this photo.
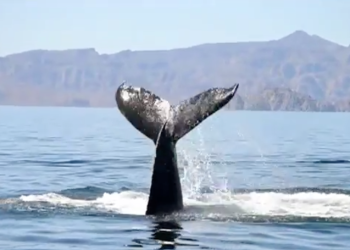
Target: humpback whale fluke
(165, 125)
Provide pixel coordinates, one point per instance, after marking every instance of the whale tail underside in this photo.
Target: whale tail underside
(148, 112)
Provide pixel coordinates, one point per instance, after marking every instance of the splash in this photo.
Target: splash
(195, 158)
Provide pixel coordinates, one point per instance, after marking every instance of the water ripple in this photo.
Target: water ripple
(80, 178)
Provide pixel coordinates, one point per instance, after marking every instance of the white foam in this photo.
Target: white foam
(127, 202)
(55, 199)
(268, 203)
(303, 204)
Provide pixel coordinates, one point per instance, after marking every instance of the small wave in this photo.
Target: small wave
(130, 163)
(293, 205)
(65, 163)
(70, 162)
(86, 193)
(296, 190)
(326, 161)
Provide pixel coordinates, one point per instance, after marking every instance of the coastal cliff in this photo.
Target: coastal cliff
(299, 72)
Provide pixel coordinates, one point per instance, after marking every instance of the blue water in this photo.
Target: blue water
(79, 178)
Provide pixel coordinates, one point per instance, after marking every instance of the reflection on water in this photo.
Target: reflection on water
(166, 233)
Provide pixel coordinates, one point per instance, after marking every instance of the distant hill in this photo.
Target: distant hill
(297, 72)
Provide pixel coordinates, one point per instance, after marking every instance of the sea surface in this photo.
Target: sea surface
(78, 178)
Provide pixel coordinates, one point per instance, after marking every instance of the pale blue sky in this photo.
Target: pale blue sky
(110, 26)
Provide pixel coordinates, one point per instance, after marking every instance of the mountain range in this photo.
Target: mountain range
(299, 72)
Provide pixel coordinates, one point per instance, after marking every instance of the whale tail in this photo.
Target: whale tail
(148, 112)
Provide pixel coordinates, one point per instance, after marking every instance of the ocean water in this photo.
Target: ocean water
(78, 178)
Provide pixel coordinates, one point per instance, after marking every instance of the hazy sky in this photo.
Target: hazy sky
(114, 25)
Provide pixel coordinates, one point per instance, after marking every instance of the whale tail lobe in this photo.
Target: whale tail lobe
(148, 112)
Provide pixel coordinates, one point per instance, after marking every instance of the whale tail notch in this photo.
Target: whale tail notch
(148, 112)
